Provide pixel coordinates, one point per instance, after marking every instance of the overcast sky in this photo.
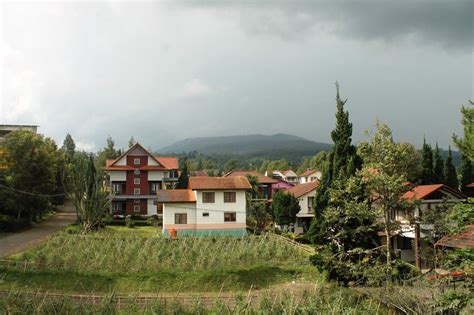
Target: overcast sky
(162, 72)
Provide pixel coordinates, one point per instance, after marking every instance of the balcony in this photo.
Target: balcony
(171, 176)
(118, 188)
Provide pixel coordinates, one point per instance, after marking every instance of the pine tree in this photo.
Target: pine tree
(427, 164)
(466, 143)
(183, 177)
(450, 177)
(69, 147)
(438, 166)
(131, 142)
(466, 173)
(341, 163)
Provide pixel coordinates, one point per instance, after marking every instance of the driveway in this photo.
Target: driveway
(16, 242)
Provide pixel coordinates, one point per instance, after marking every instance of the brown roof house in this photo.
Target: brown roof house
(210, 206)
(305, 194)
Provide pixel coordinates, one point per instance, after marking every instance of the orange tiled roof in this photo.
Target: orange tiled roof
(168, 162)
(262, 179)
(219, 183)
(423, 191)
(308, 172)
(464, 239)
(302, 189)
(176, 196)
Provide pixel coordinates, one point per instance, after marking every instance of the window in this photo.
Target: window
(154, 187)
(136, 191)
(404, 243)
(136, 208)
(117, 206)
(136, 161)
(136, 171)
(310, 202)
(136, 181)
(229, 196)
(180, 218)
(117, 188)
(205, 214)
(208, 197)
(136, 200)
(230, 217)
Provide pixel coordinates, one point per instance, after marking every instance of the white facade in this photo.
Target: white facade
(118, 176)
(311, 178)
(207, 217)
(156, 175)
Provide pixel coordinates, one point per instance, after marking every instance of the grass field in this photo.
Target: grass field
(126, 260)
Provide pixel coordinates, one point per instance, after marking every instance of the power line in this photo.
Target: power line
(30, 193)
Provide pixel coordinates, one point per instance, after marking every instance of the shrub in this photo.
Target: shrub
(153, 220)
(72, 229)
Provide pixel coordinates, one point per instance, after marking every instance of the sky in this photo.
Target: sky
(165, 71)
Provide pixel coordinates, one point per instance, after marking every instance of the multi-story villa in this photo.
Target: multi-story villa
(136, 176)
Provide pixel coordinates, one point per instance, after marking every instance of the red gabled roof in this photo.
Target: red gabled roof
(464, 239)
(471, 185)
(262, 179)
(176, 196)
(168, 162)
(308, 172)
(303, 189)
(423, 191)
(164, 163)
(219, 183)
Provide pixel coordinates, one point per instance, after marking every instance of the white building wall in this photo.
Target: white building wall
(117, 176)
(216, 210)
(151, 161)
(151, 207)
(122, 161)
(155, 175)
(303, 201)
(169, 210)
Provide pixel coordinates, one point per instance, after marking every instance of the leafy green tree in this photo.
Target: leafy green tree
(131, 142)
(107, 153)
(427, 164)
(183, 178)
(385, 172)
(285, 208)
(258, 212)
(30, 175)
(438, 166)
(351, 231)
(450, 176)
(466, 143)
(69, 147)
(90, 197)
(466, 173)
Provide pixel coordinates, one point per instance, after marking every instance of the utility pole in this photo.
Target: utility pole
(417, 246)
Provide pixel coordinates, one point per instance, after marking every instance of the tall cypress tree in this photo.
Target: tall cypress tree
(450, 176)
(427, 164)
(341, 163)
(183, 177)
(466, 173)
(438, 166)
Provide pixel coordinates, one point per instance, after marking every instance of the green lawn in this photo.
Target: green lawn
(127, 260)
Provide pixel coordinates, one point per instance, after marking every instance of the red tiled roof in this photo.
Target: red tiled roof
(285, 172)
(471, 185)
(302, 189)
(153, 168)
(423, 191)
(165, 162)
(168, 162)
(176, 196)
(199, 173)
(464, 239)
(219, 183)
(262, 179)
(308, 172)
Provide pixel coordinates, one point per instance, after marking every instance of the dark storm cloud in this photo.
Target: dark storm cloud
(448, 23)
